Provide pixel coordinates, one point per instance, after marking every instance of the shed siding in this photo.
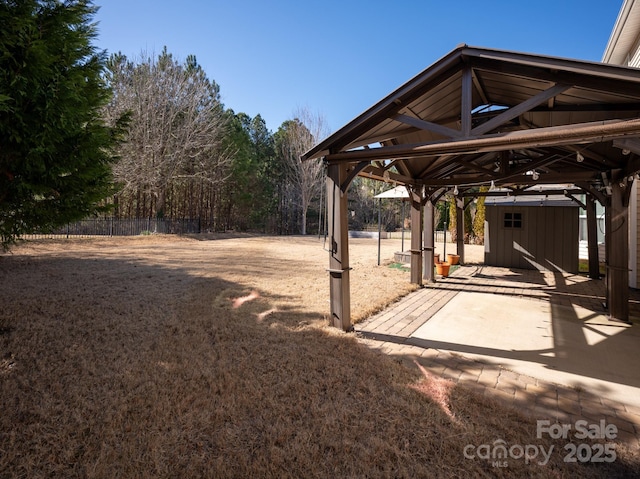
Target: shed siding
(547, 240)
(636, 268)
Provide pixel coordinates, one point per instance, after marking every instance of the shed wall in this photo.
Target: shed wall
(547, 239)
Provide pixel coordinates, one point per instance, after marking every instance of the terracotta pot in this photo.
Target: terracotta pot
(443, 269)
(453, 258)
(436, 258)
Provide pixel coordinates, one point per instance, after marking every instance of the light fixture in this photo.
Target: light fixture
(535, 175)
(626, 152)
(579, 157)
(386, 176)
(455, 190)
(493, 186)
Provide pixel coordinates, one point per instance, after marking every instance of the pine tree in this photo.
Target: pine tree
(55, 150)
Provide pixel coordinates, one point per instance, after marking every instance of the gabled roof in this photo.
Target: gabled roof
(479, 115)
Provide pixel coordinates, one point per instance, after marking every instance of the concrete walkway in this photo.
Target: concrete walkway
(540, 342)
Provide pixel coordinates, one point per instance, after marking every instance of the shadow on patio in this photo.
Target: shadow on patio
(522, 333)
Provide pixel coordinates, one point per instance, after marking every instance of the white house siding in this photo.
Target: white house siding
(623, 48)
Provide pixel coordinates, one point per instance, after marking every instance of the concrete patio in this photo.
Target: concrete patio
(539, 341)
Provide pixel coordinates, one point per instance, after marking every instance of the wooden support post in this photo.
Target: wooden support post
(338, 247)
(460, 228)
(617, 239)
(416, 235)
(592, 238)
(429, 243)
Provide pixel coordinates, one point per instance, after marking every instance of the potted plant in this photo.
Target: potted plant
(453, 258)
(443, 268)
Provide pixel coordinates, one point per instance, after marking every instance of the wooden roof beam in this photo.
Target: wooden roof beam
(588, 107)
(551, 178)
(447, 165)
(428, 126)
(519, 192)
(479, 88)
(593, 132)
(435, 165)
(595, 157)
(401, 167)
(518, 110)
(537, 164)
(380, 174)
(481, 169)
(448, 170)
(628, 145)
(466, 105)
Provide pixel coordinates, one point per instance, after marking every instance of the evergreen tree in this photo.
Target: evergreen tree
(55, 150)
(237, 199)
(268, 176)
(249, 199)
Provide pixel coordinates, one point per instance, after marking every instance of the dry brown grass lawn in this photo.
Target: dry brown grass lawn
(182, 357)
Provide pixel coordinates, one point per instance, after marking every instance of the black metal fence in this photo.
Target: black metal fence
(122, 227)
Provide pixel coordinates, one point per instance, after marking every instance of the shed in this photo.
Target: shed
(533, 232)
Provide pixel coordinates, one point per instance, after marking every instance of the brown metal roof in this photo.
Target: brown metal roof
(479, 115)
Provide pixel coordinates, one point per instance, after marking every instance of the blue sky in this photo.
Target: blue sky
(340, 57)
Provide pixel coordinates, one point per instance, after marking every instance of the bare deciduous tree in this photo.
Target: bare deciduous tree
(294, 138)
(177, 125)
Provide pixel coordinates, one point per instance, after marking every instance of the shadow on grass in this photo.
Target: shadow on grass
(126, 368)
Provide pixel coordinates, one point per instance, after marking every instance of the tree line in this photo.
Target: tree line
(186, 155)
(84, 134)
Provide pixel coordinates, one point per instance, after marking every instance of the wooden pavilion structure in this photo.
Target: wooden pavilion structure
(491, 117)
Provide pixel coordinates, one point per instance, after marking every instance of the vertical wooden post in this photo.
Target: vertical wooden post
(460, 228)
(416, 235)
(617, 239)
(429, 243)
(592, 238)
(339, 247)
